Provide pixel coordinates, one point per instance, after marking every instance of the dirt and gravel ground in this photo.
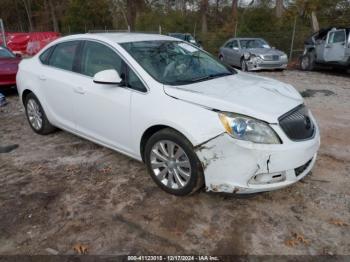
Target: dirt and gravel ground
(58, 191)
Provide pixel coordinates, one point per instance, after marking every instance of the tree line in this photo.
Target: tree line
(211, 20)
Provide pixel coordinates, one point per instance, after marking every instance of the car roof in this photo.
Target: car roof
(122, 37)
(246, 38)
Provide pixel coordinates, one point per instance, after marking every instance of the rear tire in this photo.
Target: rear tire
(36, 116)
(173, 163)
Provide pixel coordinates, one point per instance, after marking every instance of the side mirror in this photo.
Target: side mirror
(108, 77)
(235, 48)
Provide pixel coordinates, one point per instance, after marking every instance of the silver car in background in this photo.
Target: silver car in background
(252, 54)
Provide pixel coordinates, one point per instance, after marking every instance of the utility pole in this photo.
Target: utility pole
(292, 44)
(2, 31)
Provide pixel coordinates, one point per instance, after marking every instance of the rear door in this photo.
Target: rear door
(58, 77)
(336, 46)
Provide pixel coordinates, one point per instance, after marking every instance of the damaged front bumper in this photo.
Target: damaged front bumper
(256, 64)
(241, 167)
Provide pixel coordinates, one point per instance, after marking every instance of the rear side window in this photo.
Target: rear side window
(98, 57)
(63, 55)
(44, 57)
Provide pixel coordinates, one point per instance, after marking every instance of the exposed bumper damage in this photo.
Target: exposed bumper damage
(255, 64)
(241, 167)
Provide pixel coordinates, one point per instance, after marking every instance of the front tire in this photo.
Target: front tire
(244, 66)
(36, 116)
(172, 163)
(307, 62)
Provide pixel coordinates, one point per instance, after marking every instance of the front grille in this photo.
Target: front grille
(271, 57)
(297, 124)
(301, 169)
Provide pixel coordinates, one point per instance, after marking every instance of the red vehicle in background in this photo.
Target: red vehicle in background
(8, 67)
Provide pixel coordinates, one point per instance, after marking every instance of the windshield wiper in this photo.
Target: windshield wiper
(211, 76)
(200, 79)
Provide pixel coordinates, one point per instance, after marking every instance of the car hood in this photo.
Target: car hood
(259, 97)
(265, 51)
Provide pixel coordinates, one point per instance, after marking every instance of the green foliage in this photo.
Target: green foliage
(256, 20)
(170, 22)
(84, 15)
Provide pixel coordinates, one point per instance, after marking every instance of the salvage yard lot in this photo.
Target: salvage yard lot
(60, 190)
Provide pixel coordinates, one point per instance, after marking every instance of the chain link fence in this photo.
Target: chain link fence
(285, 40)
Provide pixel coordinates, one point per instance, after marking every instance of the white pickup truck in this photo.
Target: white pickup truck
(329, 47)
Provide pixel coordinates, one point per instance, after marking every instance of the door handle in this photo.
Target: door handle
(42, 77)
(79, 90)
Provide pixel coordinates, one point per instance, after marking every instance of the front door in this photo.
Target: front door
(102, 111)
(336, 46)
(236, 54)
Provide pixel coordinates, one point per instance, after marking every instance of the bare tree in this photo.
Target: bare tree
(204, 13)
(279, 8)
(28, 7)
(314, 22)
(308, 8)
(234, 15)
(133, 8)
(53, 16)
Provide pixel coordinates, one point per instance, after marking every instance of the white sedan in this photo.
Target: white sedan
(193, 120)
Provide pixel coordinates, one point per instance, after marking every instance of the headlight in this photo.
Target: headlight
(248, 129)
(284, 57)
(256, 59)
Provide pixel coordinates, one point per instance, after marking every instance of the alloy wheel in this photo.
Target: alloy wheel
(305, 62)
(34, 114)
(170, 164)
(244, 66)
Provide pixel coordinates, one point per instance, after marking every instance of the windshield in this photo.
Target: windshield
(254, 43)
(176, 63)
(4, 53)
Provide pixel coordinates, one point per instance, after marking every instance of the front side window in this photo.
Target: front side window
(176, 63)
(336, 37)
(98, 57)
(235, 44)
(63, 55)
